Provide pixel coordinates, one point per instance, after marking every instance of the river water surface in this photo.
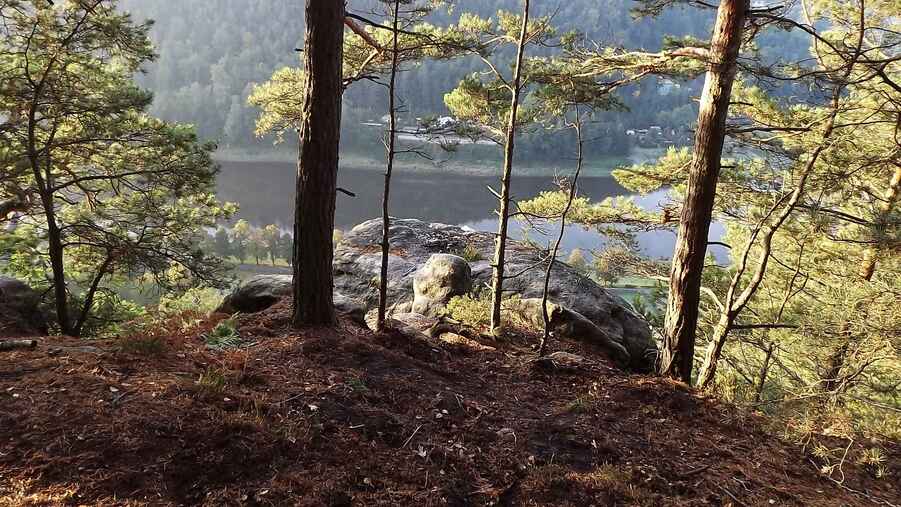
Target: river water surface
(265, 191)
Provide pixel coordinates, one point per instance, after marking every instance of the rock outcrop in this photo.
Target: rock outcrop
(262, 291)
(256, 294)
(20, 310)
(614, 324)
(426, 269)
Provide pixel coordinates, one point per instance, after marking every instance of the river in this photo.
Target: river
(265, 191)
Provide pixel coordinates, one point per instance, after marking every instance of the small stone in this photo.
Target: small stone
(506, 434)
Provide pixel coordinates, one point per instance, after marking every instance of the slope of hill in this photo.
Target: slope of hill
(212, 52)
(349, 417)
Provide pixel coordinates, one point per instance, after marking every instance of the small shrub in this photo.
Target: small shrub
(470, 253)
(110, 315)
(225, 335)
(474, 311)
(212, 381)
(873, 460)
(357, 385)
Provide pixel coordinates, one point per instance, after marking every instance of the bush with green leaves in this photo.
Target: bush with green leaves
(195, 300)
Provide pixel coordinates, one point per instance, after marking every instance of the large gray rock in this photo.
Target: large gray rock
(262, 291)
(442, 277)
(357, 260)
(567, 323)
(256, 294)
(20, 309)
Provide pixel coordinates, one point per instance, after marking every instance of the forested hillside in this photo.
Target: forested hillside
(212, 52)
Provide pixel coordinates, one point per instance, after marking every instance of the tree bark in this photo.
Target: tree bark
(317, 168)
(677, 355)
(868, 267)
(497, 279)
(831, 380)
(764, 371)
(389, 166)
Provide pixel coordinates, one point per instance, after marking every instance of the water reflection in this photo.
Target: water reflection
(265, 191)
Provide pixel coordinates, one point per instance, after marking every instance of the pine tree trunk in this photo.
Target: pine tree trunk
(392, 136)
(317, 169)
(831, 381)
(677, 354)
(497, 279)
(868, 267)
(55, 252)
(714, 350)
(43, 179)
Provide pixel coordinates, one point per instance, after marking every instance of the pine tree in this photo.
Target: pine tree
(317, 168)
(108, 190)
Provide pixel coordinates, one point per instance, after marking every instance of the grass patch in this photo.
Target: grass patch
(212, 381)
(224, 336)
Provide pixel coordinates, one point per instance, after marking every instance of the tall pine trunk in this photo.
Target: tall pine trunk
(317, 168)
(677, 354)
(497, 279)
(389, 166)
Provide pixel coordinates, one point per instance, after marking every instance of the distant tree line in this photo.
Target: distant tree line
(243, 242)
(212, 53)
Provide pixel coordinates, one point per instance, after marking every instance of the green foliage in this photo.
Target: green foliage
(119, 195)
(280, 101)
(224, 336)
(474, 311)
(358, 385)
(212, 381)
(195, 300)
(579, 405)
(470, 253)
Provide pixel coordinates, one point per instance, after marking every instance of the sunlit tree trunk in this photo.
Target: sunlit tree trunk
(677, 354)
(497, 279)
(891, 195)
(317, 168)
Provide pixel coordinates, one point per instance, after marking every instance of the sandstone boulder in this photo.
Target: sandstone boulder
(442, 277)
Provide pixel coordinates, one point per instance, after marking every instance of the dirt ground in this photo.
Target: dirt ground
(347, 417)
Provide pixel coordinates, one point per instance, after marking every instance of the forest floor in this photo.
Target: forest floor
(348, 417)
